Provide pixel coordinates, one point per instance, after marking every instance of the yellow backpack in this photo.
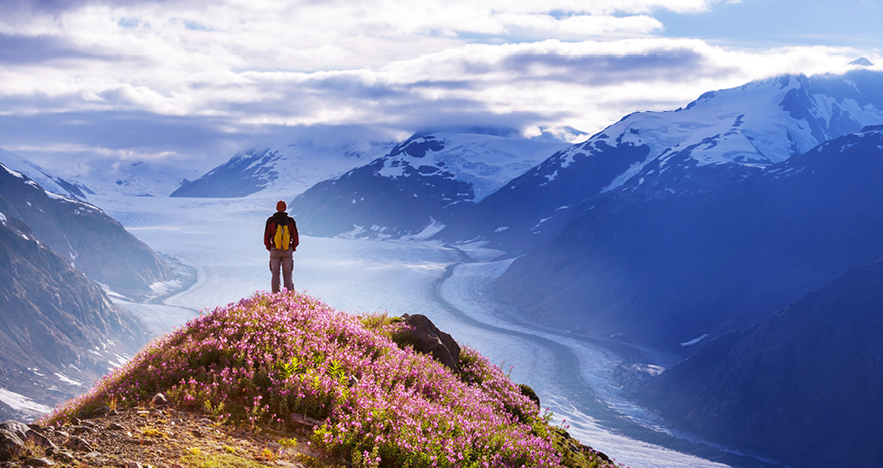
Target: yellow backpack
(282, 238)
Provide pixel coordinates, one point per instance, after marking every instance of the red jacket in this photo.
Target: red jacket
(280, 217)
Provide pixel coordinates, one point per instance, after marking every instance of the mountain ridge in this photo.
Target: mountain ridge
(59, 330)
(95, 243)
(666, 260)
(417, 187)
(755, 125)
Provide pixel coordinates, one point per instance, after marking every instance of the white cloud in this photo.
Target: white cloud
(239, 68)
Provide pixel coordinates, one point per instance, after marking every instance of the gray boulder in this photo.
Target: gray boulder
(430, 340)
(11, 445)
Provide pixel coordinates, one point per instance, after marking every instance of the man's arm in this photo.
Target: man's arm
(295, 239)
(267, 234)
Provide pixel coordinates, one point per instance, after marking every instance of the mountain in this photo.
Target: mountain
(802, 385)
(755, 125)
(287, 171)
(50, 182)
(58, 331)
(421, 184)
(671, 257)
(138, 179)
(90, 240)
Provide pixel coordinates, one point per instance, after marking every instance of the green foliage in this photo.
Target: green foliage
(225, 460)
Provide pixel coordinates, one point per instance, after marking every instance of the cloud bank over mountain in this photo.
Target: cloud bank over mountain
(195, 81)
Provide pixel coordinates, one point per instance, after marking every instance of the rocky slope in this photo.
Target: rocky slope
(58, 331)
(802, 385)
(84, 235)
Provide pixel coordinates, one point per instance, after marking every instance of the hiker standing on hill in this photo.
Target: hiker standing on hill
(280, 238)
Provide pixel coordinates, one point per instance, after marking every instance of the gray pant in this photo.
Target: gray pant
(284, 259)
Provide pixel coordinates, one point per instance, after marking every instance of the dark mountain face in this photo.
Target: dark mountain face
(538, 204)
(803, 385)
(93, 242)
(57, 329)
(758, 124)
(702, 250)
(242, 175)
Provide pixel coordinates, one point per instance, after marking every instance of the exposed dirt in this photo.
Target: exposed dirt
(167, 438)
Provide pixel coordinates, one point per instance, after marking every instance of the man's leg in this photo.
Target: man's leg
(275, 263)
(287, 268)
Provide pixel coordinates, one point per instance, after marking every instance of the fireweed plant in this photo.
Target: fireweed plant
(264, 359)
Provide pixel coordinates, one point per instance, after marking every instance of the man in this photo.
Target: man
(280, 238)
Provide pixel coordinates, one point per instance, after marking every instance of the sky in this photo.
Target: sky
(85, 83)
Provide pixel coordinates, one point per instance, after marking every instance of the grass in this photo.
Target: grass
(378, 402)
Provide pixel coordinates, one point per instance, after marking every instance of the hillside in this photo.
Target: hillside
(281, 362)
(802, 385)
(83, 234)
(58, 330)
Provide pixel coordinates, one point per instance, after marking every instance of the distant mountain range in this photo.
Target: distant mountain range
(419, 186)
(671, 257)
(285, 171)
(756, 125)
(84, 235)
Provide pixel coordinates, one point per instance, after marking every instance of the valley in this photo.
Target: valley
(578, 377)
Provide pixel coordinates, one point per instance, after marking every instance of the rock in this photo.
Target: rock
(530, 393)
(35, 427)
(41, 440)
(11, 445)
(81, 430)
(115, 427)
(20, 429)
(352, 381)
(305, 420)
(430, 340)
(39, 462)
(64, 457)
(159, 400)
(79, 444)
(92, 455)
(133, 465)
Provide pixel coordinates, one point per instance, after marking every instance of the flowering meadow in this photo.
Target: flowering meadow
(266, 359)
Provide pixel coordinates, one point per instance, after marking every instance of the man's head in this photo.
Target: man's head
(281, 206)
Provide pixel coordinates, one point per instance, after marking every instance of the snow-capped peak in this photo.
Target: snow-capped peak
(486, 162)
(758, 124)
